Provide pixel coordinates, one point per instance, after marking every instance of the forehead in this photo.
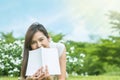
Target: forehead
(38, 34)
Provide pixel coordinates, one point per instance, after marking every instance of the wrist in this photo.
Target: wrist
(29, 78)
(61, 79)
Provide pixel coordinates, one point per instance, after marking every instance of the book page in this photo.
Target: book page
(42, 57)
(34, 62)
(51, 59)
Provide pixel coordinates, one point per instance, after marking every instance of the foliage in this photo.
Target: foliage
(75, 57)
(115, 20)
(10, 55)
(82, 58)
(56, 37)
(94, 57)
(9, 38)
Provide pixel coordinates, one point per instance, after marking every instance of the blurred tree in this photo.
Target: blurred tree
(115, 20)
(56, 37)
(8, 37)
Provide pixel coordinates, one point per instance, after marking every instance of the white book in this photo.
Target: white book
(41, 57)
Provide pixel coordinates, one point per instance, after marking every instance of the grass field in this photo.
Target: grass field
(76, 78)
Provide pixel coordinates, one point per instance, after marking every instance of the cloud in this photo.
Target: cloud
(79, 32)
(88, 17)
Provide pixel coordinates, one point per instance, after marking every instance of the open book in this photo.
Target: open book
(41, 57)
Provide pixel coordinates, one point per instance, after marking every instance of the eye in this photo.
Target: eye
(41, 39)
(33, 42)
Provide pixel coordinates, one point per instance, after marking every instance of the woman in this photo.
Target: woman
(36, 37)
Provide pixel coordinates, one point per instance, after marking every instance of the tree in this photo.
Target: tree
(115, 20)
(56, 37)
(8, 37)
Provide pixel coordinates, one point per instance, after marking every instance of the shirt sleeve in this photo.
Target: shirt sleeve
(60, 47)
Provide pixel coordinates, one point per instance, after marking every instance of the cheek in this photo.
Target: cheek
(46, 44)
(33, 47)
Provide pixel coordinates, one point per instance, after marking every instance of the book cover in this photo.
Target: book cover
(41, 57)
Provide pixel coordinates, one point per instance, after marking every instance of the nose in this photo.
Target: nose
(39, 44)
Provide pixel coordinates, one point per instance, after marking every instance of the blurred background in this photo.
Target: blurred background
(90, 29)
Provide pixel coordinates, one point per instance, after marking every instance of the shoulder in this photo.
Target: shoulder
(59, 46)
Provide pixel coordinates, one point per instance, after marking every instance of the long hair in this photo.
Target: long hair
(28, 38)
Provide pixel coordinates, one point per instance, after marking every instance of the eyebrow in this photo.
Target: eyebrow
(39, 38)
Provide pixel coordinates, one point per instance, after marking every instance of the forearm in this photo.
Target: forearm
(62, 66)
(61, 77)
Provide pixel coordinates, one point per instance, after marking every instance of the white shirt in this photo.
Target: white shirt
(60, 47)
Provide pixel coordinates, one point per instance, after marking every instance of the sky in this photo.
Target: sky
(78, 20)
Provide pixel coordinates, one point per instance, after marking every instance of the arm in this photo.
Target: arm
(62, 60)
(40, 75)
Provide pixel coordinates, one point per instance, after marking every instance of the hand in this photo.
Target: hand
(40, 74)
(47, 75)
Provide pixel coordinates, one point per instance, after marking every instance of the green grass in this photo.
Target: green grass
(76, 78)
(8, 78)
(94, 78)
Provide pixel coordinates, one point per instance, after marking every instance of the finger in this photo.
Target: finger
(43, 69)
(41, 76)
(46, 69)
(40, 69)
(47, 72)
(38, 72)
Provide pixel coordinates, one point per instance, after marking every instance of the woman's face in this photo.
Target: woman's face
(39, 40)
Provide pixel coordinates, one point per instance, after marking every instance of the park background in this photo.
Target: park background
(90, 29)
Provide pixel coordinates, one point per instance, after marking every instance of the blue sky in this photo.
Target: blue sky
(77, 19)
